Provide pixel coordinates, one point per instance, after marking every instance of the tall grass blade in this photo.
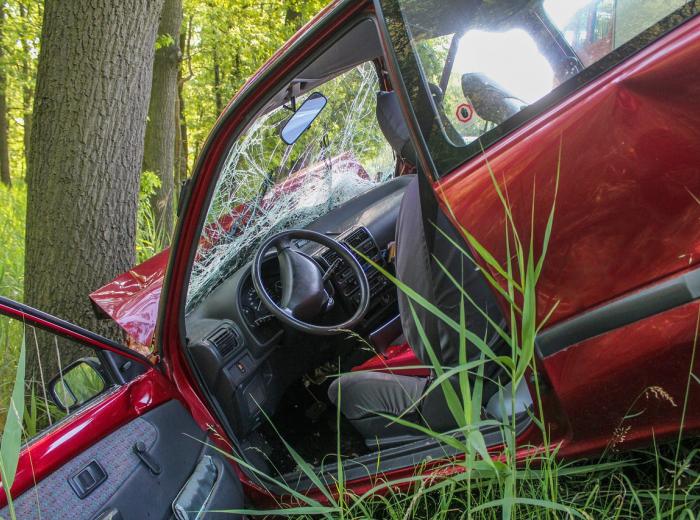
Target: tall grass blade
(11, 443)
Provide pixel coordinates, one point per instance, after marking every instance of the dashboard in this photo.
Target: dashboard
(256, 316)
(245, 357)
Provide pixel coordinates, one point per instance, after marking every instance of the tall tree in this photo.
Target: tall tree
(5, 176)
(26, 80)
(218, 97)
(182, 148)
(161, 131)
(86, 151)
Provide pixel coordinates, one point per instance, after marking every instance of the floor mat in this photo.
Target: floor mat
(309, 424)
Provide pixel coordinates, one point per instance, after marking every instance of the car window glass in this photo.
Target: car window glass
(266, 186)
(61, 375)
(509, 61)
(473, 70)
(595, 28)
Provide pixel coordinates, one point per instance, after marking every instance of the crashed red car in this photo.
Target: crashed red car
(374, 138)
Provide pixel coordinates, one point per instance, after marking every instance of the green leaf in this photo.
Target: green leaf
(511, 501)
(11, 443)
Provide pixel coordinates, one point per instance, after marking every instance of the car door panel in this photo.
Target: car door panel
(102, 436)
(173, 442)
(630, 384)
(65, 440)
(621, 270)
(626, 209)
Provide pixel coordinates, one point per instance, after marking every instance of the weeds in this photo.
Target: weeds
(10, 443)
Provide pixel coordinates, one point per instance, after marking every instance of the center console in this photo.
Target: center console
(383, 301)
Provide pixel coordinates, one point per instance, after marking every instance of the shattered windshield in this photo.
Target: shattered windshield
(266, 186)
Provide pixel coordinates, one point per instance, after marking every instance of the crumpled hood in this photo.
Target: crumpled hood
(132, 298)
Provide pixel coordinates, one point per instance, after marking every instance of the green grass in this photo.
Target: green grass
(13, 207)
(13, 210)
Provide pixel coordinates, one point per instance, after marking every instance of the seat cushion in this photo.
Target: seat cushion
(397, 359)
(364, 394)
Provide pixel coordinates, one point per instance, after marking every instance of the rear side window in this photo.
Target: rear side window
(596, 28)
(477, 70)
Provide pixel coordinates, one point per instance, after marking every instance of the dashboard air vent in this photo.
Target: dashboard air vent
(225, 340)
(357, 237)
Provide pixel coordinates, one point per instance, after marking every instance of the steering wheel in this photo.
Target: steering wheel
(304, 296)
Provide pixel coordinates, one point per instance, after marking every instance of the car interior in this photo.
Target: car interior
(302, 336)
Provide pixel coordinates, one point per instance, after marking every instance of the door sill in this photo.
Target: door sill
(396, 458)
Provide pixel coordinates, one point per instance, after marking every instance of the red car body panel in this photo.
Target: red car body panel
(132, 298)
(653, 356)
(630, 165)
(626, 218)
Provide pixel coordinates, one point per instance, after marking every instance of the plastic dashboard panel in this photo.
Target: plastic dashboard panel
(256, 373)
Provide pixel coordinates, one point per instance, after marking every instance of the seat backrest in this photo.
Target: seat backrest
(418, 268)
(393, 125)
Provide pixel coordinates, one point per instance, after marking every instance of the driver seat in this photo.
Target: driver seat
(362, 396)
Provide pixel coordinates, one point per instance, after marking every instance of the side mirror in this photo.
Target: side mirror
(77, 384)
(303, 117)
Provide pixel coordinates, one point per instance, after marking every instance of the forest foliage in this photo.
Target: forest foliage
(220, 45)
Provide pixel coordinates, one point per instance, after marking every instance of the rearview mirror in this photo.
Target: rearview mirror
(303, 117)
(77, 384)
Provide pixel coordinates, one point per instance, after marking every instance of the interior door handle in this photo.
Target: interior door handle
(88, 479)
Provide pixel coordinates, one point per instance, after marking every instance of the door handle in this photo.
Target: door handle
(87, 479)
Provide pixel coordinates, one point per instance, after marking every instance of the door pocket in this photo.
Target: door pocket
(192, 500)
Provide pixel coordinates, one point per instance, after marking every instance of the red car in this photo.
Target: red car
(368, 148)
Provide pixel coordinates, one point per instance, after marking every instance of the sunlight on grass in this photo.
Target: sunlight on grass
(13, 209)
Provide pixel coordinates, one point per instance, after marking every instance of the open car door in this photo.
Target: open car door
(117, 442)
(617, 297)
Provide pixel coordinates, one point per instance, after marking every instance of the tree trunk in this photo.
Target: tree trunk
(159, 148)
(26, 87)
(181, 153)
(218, 100)
(5, 176)
(86, 151)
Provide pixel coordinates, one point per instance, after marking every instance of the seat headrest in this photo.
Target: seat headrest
(394, 126)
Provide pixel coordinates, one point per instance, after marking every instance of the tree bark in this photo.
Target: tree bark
(5, 176)
(218, 99)
(159, 148)
(182, 152)
(181, 148)
(86, 151)
(26, 88)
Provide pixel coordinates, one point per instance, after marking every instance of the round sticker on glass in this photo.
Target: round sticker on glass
(465, 112)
